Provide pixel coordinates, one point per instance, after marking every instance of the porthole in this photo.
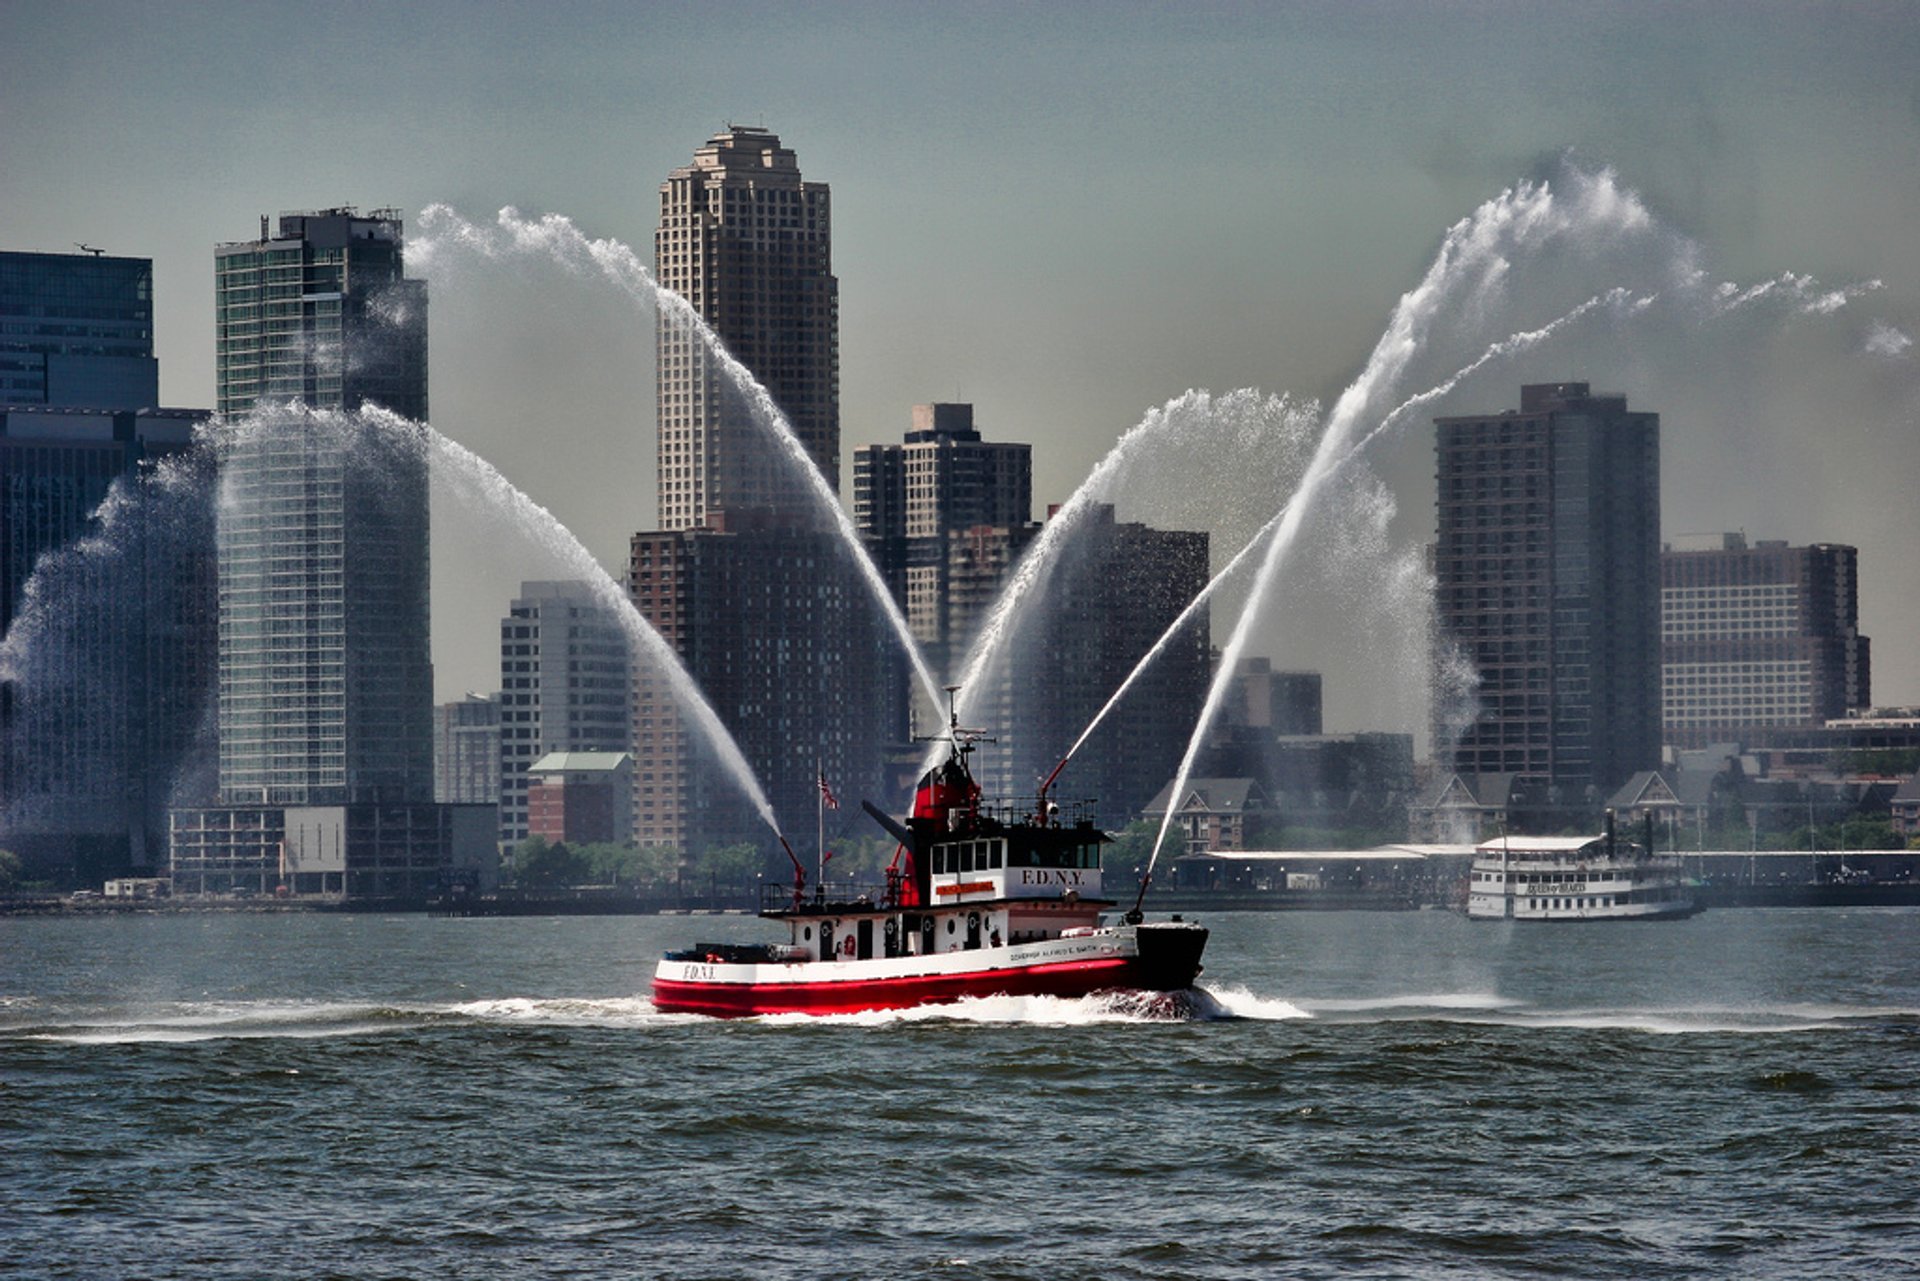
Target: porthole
(950, 925)
(807, 934)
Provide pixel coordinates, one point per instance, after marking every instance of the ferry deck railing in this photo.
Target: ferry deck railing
(831, 896)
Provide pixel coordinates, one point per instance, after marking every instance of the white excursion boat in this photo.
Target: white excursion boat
(980, 901)
(1576, 878)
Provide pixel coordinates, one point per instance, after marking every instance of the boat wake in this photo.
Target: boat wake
(625, 1011)
(1487, 1010)
(215, 1021)
(189, 1022)
(1677, 1021)
(1239, 1003)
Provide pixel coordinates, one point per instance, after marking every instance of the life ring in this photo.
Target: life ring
(1071, 897)
(846, 946)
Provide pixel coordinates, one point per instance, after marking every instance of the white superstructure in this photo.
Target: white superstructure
(1575, 878)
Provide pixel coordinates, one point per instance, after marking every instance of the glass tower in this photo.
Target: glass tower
(76, 331)
(326, 679)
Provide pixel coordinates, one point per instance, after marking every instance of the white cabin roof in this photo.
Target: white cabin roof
(1536, 844)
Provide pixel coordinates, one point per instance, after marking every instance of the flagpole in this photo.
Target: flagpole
(820, 812)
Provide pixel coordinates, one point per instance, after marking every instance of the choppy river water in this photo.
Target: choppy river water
(1353, 1094)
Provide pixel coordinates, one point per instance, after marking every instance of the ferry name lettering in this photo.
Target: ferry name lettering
(1051, 876)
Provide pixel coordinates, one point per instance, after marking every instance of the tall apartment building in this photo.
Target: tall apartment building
(786, 642)
(466, 751)
(326, 679)
(109, 673)
(565, 686)
(1119, 588)
(1759, 638)
(748, 243)
(763, 607)
(1548, 569)
(326, 676)
(321, 312)
(912, 500)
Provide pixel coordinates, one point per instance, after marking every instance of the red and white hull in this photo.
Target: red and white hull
(1158, 957)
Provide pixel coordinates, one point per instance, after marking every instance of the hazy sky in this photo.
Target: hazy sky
(1065, 214)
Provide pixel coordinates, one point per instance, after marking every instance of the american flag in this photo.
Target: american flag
(827, 797)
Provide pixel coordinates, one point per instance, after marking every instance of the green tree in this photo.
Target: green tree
(535, 864)
(732, 865)
(860, 858)
(9, 871)
(1868, 832)
(1133, 846)
(608, 863)
(656, 866)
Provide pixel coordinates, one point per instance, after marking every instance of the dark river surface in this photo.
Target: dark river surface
(1351, 1094)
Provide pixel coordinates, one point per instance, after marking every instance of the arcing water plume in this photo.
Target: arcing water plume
(554, 237)
(110, 690)
(1592, 219)
(482, 489)
(486, 491)
(1508, 346)
(1267, 435)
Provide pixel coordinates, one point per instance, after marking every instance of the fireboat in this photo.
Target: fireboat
(979, 900)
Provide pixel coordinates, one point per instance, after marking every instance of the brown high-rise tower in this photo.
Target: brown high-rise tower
(749, 245)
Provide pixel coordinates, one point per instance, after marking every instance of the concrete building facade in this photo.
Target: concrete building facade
(1758, 639)
(913, 500)
(466, 751)
(1547, 567)
(565, 686)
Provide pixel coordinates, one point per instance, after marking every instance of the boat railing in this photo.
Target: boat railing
(826, 896)
(1029, 809)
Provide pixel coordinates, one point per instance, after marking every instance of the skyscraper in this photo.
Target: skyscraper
(76, 331)
(565, 682)
(1117, 588)
(111, 665)
(1758, 638)
(762, 604)
(1548, 569)
(326, 680)
(912, 500)
(321, 313)
(749, 244)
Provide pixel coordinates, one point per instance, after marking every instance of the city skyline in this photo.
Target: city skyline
(1046, 216)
